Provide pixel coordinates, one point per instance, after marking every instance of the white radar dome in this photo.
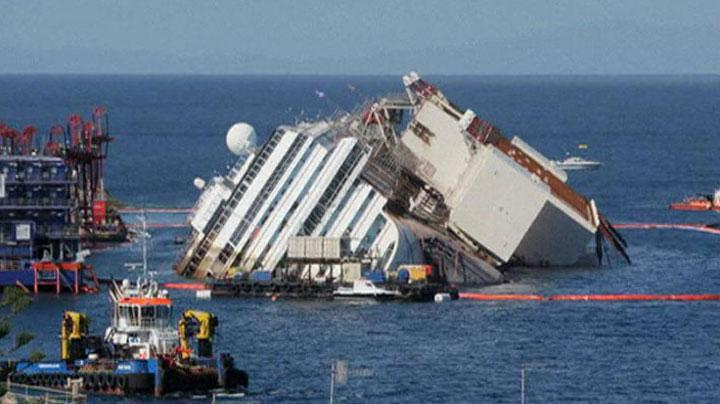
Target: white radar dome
(199, 183)
(240, 137)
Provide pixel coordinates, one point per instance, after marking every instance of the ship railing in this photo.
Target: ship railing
(38, 394)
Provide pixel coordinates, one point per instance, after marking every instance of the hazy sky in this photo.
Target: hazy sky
(360, 37)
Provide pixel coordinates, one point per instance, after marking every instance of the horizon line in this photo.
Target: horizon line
(366, 74)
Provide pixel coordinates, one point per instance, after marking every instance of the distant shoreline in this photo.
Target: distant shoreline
(379, 75)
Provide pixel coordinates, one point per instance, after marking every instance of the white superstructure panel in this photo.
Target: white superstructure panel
(208, 203)
(388, 235)
(554, 238)
(500, 204)
(444, 152)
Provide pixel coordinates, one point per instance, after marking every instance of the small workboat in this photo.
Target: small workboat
(576, 163)
(701, 202)
(365, 289)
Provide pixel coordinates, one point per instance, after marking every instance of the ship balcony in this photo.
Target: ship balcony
(35, 204)
(39, 181)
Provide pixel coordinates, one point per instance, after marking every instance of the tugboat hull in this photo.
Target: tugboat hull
(125, 377)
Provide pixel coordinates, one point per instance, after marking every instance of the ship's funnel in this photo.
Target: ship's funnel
(240, 137)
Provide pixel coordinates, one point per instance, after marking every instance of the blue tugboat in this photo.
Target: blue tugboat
(141, 352)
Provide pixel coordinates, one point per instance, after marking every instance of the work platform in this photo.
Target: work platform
(41, 276)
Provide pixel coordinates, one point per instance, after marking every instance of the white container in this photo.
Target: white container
(296, 247)
(203, 294)
(313, 247)
(331, 248)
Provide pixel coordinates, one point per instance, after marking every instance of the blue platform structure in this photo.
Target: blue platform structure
(39, 230)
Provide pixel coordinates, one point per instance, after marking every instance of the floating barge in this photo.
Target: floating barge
(424, 292)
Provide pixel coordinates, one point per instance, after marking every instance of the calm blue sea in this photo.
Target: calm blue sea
(659, 138)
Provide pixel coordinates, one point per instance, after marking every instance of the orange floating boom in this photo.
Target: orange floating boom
(704, 228)
(592, 298)
(634, 298)
(494, 297)
(184, 286)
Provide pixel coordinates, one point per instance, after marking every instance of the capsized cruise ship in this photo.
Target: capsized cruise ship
(410, 179)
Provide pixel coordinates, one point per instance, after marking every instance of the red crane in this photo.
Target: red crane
(88, 149)
(26, 139)
(53, 147)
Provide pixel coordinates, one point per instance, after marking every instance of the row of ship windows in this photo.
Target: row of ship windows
(234, 200)
(267, 189)
(332, 190)
(254, 169)
(271, 183)
(252, 172)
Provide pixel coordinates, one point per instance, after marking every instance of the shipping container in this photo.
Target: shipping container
(296, 247)
(417, 273)
(403, 276)
(375, 276)
(317, 248)
(261, 276)
(331, 248)
(314, 247)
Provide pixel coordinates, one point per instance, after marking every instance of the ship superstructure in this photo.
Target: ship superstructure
(497, 194)
(52, 199)
(404, 180)
(36, 211)
(142, 320)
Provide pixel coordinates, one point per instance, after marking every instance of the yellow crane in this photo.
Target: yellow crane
(73, 331)
(198, 324)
